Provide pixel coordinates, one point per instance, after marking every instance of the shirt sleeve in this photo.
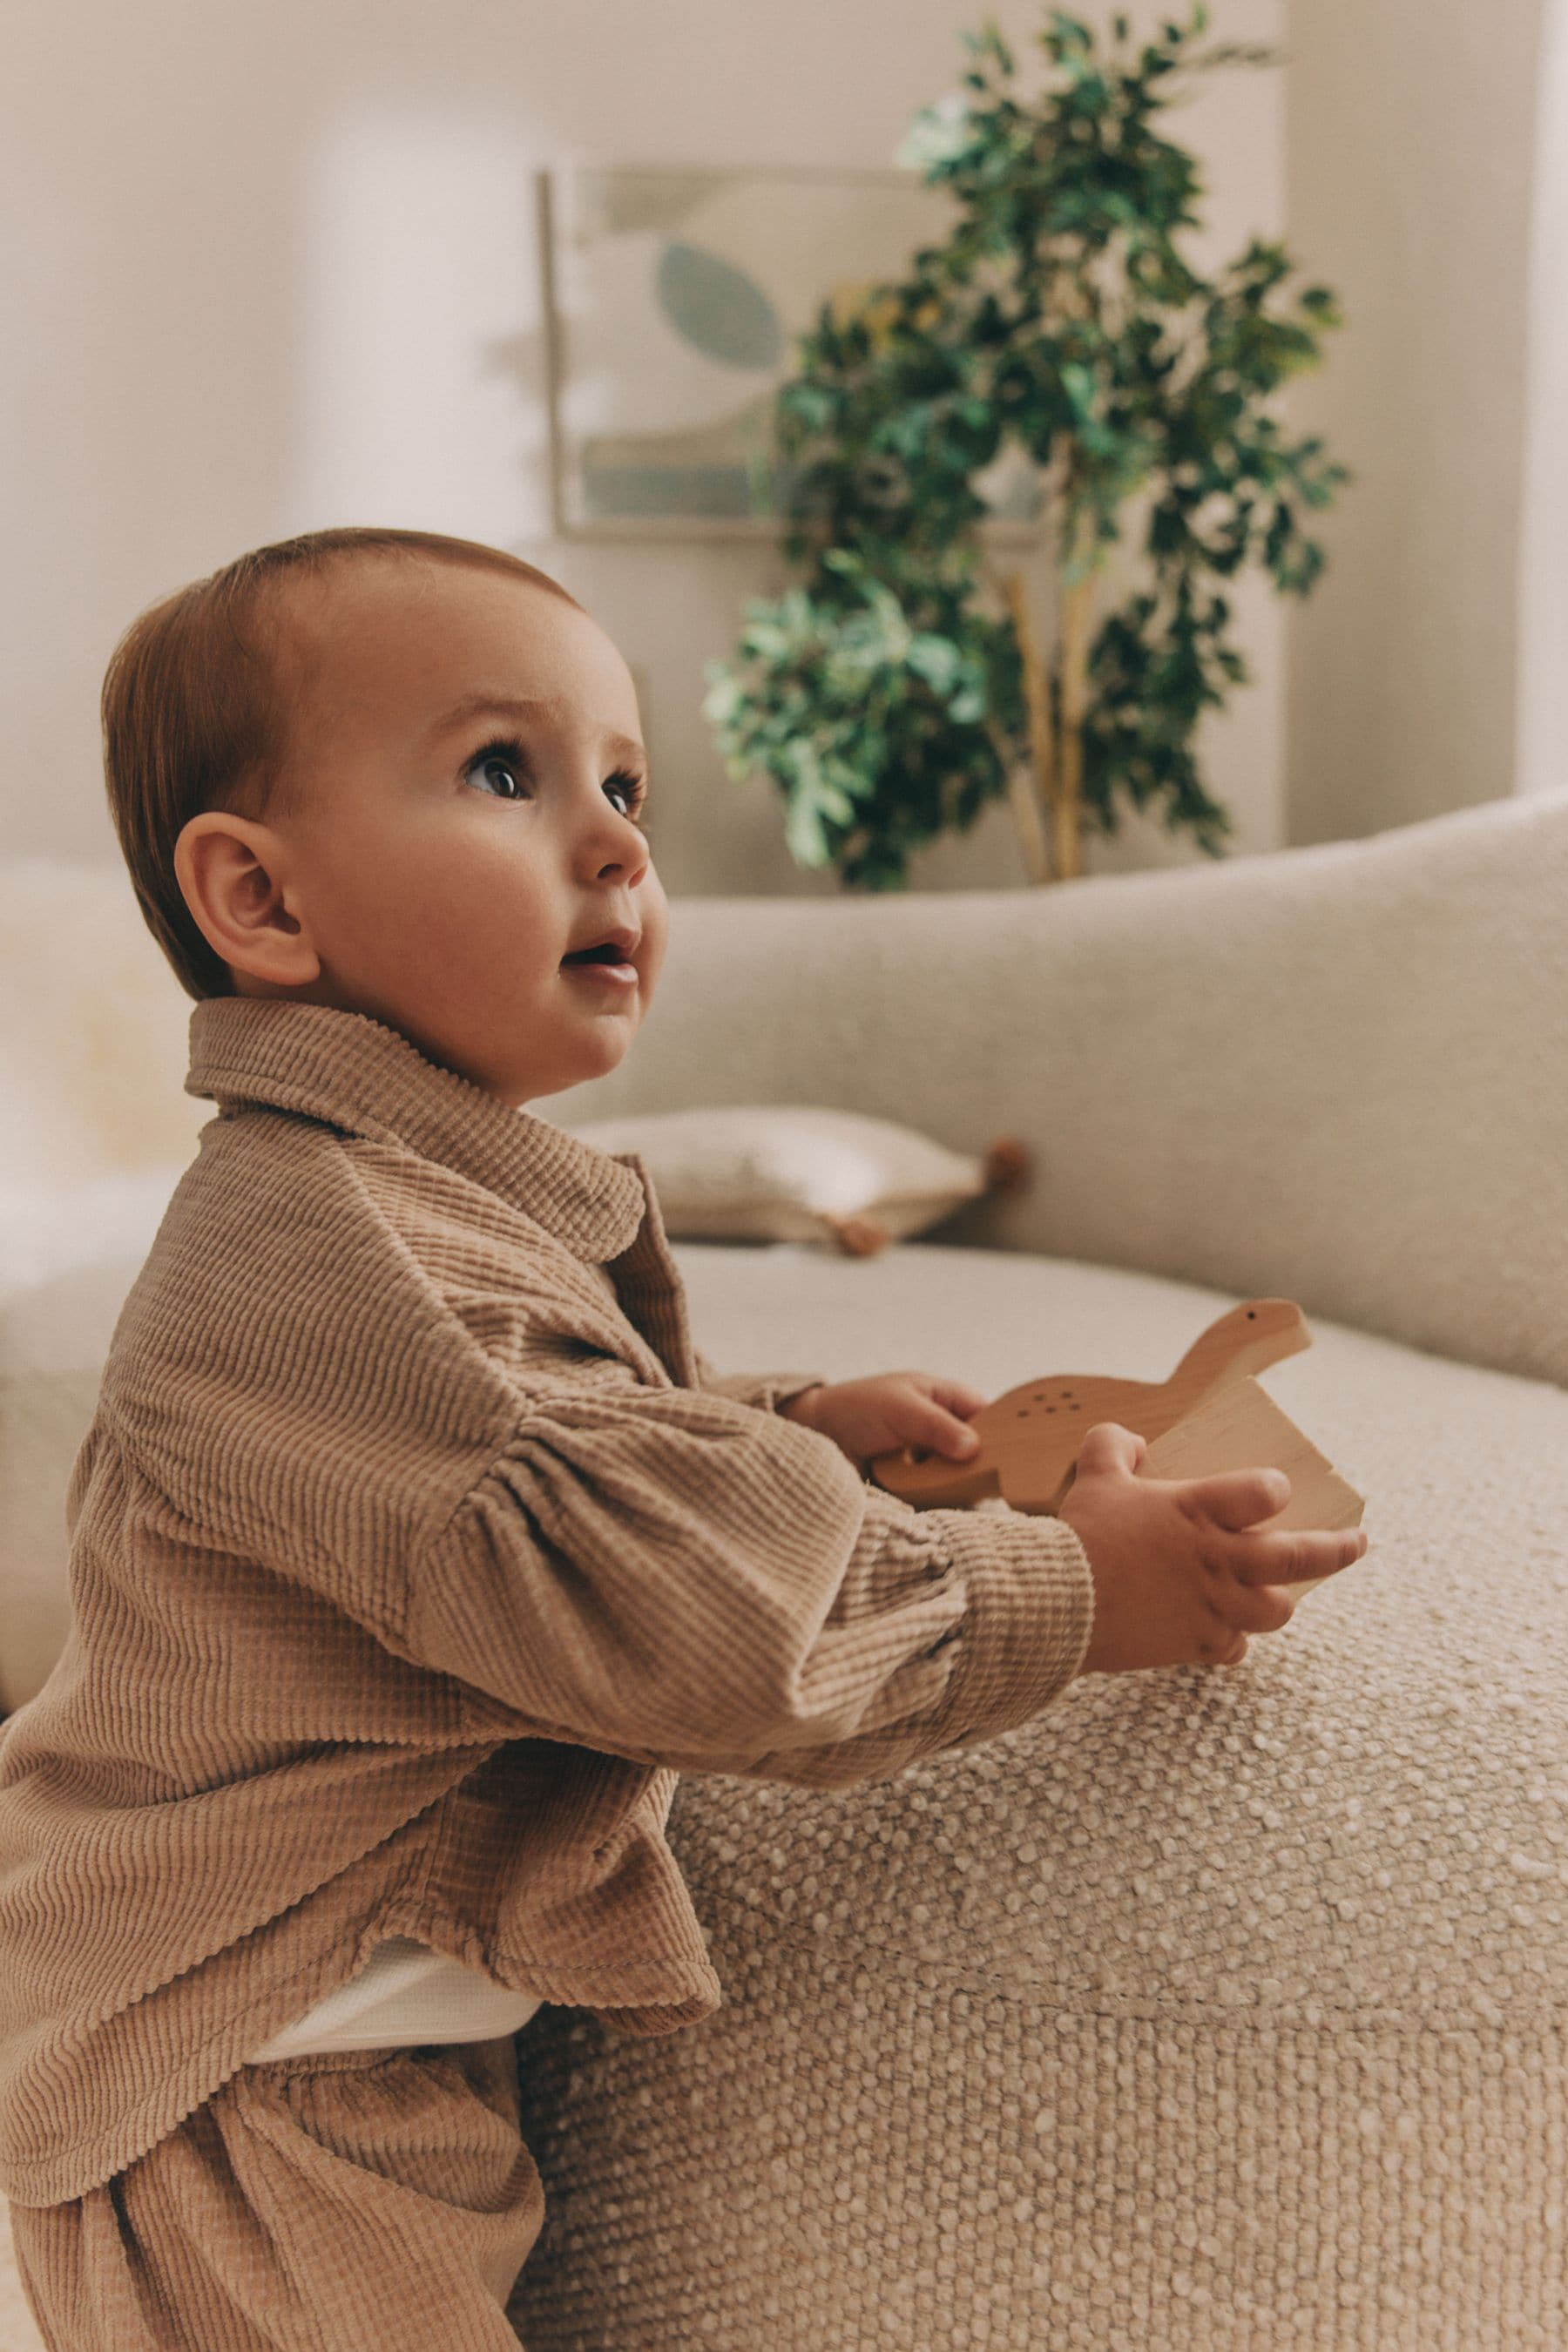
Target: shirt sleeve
(669, 1575)
(766, 1391)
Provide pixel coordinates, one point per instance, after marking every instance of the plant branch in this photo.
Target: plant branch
(1033, 790)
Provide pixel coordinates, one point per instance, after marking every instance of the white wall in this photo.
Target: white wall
(1541, 764)
(1411, 143)
(271, 268)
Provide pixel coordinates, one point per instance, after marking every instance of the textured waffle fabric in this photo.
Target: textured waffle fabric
(408, 1572)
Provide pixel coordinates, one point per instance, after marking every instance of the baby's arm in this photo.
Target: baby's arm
(766, 1391)
(669, 1575)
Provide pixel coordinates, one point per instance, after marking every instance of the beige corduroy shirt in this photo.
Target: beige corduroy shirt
(414, 1552)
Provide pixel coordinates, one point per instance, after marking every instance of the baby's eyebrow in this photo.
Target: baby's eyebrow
(525, 707)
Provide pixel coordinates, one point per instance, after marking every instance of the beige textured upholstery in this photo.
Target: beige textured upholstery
(1215, 2010)
(1212, 2011)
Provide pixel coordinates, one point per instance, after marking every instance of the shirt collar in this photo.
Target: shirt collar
(356, 1074)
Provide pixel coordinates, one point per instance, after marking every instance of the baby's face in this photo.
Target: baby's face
(471, 758)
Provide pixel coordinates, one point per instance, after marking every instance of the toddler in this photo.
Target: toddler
(415, 1546)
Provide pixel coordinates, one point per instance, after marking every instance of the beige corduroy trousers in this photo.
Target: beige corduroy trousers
(363, 2201)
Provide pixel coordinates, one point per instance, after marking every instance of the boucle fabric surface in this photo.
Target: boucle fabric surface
(1212, 2011)
(408, 1572)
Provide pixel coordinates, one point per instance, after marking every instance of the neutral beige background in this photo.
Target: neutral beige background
(1412, 137)
(274, 267)
(1541, 727)
(267, 270)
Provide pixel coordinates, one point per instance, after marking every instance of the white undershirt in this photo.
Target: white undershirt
(404, 1993)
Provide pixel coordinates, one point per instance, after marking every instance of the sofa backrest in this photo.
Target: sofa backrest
(1336, 1073)
(92, 1027)
(95, 1126)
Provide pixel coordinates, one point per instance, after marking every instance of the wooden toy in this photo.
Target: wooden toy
(1210, 1416)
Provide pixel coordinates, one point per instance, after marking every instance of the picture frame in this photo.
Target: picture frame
(674, 297)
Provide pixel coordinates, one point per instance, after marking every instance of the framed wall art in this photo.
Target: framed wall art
(673, 301)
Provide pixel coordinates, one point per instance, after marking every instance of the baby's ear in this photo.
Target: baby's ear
(232, 874)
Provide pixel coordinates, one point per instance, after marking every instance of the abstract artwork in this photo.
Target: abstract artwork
(674, 301)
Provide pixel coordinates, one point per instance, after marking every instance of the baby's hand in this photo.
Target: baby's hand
(890, 1410)
(1183, 1568)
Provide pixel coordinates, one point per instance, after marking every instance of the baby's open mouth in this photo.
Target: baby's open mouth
(605, 963)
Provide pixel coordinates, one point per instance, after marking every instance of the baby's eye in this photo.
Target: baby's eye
(631, 788)
(496, 770)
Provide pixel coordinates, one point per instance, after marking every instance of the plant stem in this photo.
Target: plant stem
(1078, 605)
(1031, 791)
(1026, 818)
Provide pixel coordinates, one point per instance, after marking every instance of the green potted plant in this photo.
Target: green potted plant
(1059, 329)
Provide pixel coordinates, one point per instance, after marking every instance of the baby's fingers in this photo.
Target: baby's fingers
(1293, 1555)
(1235, 1498)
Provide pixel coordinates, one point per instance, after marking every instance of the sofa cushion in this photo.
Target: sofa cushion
(54, 1337)
(1212, 2009)
(93, 1034)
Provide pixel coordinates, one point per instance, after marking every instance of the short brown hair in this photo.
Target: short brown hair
(192, 719)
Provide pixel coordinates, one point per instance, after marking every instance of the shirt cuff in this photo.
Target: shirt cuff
(766, 1391)
(1027, 1629)
(778, 1387)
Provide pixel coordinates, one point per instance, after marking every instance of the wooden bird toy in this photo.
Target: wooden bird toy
(1210, 1416)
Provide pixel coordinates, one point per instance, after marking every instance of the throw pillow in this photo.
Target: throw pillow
(801, 1172)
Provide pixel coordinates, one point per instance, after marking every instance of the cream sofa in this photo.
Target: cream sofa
(1215, 2009)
